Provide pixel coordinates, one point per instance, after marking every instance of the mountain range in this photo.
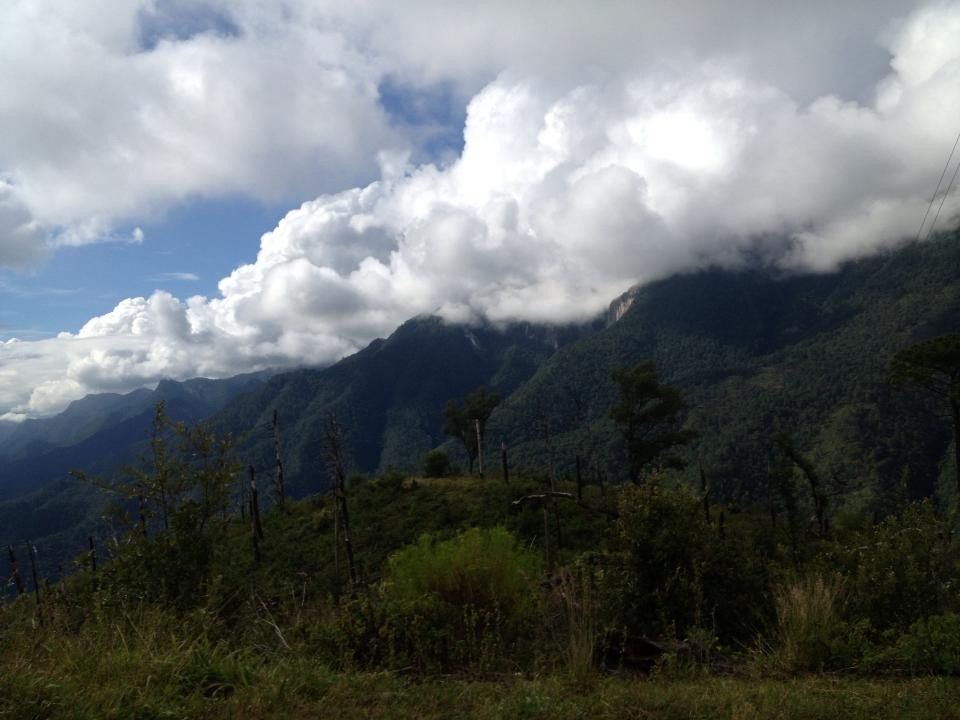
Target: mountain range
(757, 352)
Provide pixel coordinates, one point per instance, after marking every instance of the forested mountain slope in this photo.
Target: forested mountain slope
(388, 397)
(758, 353)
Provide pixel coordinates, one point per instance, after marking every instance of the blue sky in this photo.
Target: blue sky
(204, 238)
(203, 187)
(188, 248)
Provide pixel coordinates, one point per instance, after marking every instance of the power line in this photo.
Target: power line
(937, 190)
(944, 199)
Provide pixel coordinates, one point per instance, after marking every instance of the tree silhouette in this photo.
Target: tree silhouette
(934, 366)
(648, 415)
(461, 420)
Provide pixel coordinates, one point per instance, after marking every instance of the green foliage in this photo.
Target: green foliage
(463, 603)
(436, 464)
(467, 421)
(934, 365)
(904, 569)
(647, 414)
(389, 396)
(676, 571)
(755, 355)
(180, 493)
(930, 646)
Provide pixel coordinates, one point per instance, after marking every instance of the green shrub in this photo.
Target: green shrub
(905, 571)
(436, 464)
(463, 603)
(675, 571)
(930, 646)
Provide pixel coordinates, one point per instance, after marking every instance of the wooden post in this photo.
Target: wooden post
(503, 461)
(476, 424)
(705, 489)
(281, 492)
(579, 482)
(93, 554)
(15, 571)
(36, 583)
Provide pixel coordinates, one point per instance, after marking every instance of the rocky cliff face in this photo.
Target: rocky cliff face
(619, 306)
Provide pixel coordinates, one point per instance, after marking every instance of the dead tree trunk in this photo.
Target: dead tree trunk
(256, 529)
(36, 582)
(476, 424)
(15, 571)
(281, 491)
(336, 466)
(255, 504)
(504, 463)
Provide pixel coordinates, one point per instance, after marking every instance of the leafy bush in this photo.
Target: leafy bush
(931, 645)
(436, 464)
(905, 570)
(463, 603)
(655, 588)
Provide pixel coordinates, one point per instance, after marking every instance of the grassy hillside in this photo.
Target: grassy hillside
(189, 623)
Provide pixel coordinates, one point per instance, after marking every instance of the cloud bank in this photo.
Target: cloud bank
(114, 110)
(586, 167)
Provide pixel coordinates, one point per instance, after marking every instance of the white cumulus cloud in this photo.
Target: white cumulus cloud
(566, 193)
(114, 111)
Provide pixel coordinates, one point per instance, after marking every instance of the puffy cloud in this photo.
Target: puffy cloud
(118, 109)
(23, 242)
(565, 194)
(131, 106)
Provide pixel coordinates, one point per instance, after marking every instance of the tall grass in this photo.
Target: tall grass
(573, 596)
(809, 631)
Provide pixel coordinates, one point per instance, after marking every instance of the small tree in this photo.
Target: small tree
(466, 420)
(648, 414)
(179, 494)
(934, 366)
(436, 464)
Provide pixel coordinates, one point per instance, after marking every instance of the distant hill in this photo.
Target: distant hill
(388, 397)
(38, 499)
(92, 414)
